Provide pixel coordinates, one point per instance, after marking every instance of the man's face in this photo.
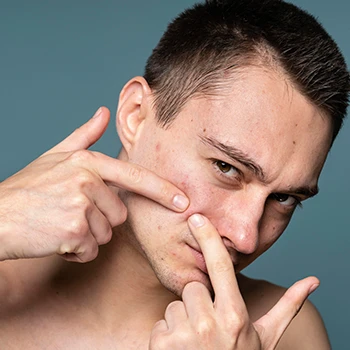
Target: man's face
(245, 159)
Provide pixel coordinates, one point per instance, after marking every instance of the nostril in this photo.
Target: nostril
(244, 243)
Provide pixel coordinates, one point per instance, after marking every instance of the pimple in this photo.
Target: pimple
(159, 227)
(204, 130)
(157, 147)
(184, 182)
(294, 143)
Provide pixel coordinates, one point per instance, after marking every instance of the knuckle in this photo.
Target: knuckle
(88, 252)
(120, 214)
(77, 227)
(80, 156)
(83, 179)
(205, 327)
(297, 308)
(184, 337)
(222, 266)
(93, 252)
(80, 202)
(123, 214)
(237, 321)
(165, 190)
(136, 174)
(66, 249)
(105, 237)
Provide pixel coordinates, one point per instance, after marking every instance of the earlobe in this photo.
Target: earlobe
(132, 110)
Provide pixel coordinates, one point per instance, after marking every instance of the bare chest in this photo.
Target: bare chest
(56, 331)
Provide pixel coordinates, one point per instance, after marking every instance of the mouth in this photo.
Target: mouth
(199, 258)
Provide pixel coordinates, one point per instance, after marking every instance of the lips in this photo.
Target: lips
(199, 258)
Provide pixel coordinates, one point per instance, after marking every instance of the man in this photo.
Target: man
(223, 137)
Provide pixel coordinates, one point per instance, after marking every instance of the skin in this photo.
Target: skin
(262, 117)
(165, 281)
(77, 191)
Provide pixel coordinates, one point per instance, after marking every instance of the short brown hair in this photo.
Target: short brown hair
(206, 43)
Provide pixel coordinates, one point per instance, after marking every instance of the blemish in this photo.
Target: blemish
(294, 143)
(159, 227)
(157, 147)
(204, 130)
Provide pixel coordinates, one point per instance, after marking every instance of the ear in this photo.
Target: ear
(133, 107)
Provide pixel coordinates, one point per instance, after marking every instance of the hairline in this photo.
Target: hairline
(262, 57)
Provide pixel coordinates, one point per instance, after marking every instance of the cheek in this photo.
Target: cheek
(270, 231)
(203, 199)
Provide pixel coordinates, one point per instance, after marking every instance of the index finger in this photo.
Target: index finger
(86, 135)
(135, 178)
(219, 264)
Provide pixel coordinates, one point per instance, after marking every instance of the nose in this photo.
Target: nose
(240, 221)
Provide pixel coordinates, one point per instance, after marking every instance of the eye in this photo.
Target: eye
(226, 170)
(224, 167)
(286, 199)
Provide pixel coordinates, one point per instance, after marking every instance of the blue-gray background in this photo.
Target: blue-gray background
(61, 60)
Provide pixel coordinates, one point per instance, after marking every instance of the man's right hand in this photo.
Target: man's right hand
(66, 201)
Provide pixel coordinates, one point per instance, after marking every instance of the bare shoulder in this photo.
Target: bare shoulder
(8, 286)
(21, 280)
(306, 331)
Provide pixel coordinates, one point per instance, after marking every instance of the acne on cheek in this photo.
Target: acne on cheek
(158, 147)
(201, 196)
(202, 199)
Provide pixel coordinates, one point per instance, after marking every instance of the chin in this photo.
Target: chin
(175, 281)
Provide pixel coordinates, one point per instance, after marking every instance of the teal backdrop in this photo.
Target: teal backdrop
(61, 60)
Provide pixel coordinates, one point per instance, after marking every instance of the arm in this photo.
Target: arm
(66, 202)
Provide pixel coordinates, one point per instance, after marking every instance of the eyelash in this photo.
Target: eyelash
(216, 163)
(237, 178)
(297, 199)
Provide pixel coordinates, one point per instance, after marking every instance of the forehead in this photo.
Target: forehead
(262, 114)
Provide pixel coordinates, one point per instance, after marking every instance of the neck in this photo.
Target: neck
(120, 286)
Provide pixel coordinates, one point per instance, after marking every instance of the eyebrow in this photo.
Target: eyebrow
(309, 192)
(239, 156)
(236, 155)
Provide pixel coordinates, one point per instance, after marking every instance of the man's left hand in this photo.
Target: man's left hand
(197, 322)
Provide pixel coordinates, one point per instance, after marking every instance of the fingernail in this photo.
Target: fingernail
(98, 113)
(197, 220)
(313, 288)
(181, 202)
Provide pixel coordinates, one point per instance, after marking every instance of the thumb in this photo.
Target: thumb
(272, 325)
(86, 135)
